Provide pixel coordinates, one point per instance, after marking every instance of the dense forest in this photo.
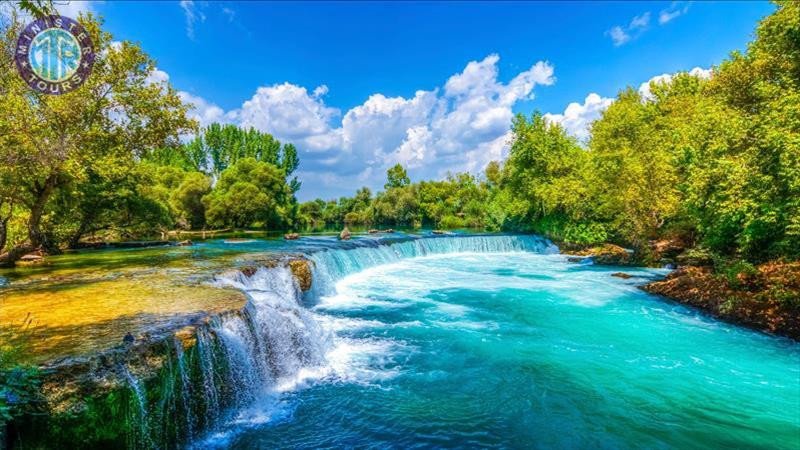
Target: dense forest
(713, 162)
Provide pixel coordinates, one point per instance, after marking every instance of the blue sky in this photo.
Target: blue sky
(361, 86)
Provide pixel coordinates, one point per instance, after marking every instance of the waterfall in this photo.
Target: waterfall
(332, 265)
(277, 340)
(140, 398)
(185, 393)
(276, 343)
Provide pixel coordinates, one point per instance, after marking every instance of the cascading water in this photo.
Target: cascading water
(278, 343)
(185, 393)
(408, 338)
(140, 399)
(332, 265)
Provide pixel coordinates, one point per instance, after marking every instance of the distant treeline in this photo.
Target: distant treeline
(713, 162)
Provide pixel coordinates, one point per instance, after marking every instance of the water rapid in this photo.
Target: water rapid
(280, 344)
(477, 341)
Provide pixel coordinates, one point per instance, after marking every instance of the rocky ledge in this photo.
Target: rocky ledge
(767, 299)
(129, 393)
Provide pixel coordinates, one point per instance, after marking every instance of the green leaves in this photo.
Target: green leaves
(714, 161)
(250, 193)
(396, 177)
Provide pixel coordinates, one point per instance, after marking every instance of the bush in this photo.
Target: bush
(586, 233)
(738, 273)
(352, 218)
(451, 222)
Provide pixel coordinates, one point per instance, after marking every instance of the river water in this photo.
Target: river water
(493, 342)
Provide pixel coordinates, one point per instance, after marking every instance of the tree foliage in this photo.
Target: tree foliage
(111, 159)
(54, 142)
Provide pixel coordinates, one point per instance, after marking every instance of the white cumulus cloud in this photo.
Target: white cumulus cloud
(204, 111)
(461, 125)
(577, 118)
(291, 113)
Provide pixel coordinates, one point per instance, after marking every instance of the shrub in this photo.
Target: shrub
(452, 222)
(738, 273)
(586, 233)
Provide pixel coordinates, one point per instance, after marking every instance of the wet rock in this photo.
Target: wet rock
(238, 241)
(388, 230)
(187, 336)
(345, 234)
(667, 249)
(185, 243)
(622, 275)
(438, 232)
(575, 259)
(128, 339)
(291, 236)
(301, 269)
(373, 231)
(32, 258)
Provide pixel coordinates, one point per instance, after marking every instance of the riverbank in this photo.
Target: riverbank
(765, 298)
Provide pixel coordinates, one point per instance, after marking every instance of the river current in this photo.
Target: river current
(493, 342)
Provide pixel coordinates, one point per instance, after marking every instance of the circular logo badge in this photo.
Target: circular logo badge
(54, 55)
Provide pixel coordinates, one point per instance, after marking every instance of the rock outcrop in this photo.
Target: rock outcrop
(301, 269)
(665, 251)
(150, 391)
(345, 234)
(767, 300)
(32, 258)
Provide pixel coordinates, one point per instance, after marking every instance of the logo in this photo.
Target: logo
(54, 55)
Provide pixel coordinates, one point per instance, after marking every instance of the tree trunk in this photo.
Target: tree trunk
(3, 233)
(75, 239)
(12, 256)
(35, 235)
(36, 238)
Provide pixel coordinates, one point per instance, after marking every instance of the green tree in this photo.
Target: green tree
(187, 199)
(53, 141)
(398, 206)
(396, 177)
(249, 193)
(543, 171)
(758, 205)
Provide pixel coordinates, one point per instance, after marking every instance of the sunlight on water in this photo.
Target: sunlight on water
(501, 343)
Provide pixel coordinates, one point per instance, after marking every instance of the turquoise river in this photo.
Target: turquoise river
(493, 341)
